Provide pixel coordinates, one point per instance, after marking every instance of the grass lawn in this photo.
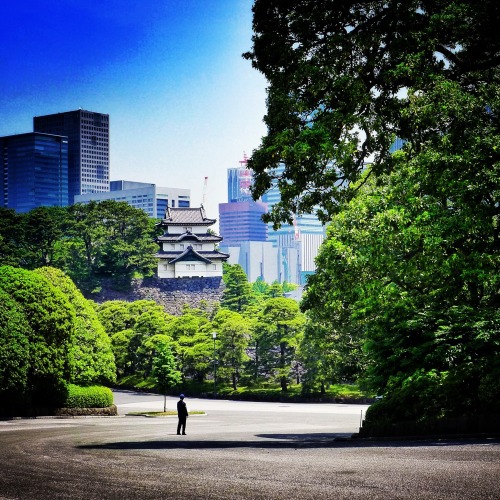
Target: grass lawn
(264, 392)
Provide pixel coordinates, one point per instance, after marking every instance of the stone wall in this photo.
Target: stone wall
(172, 294)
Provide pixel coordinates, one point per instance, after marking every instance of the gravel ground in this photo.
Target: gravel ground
(236, 451)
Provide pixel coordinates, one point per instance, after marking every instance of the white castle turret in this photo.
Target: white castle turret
(187, 247)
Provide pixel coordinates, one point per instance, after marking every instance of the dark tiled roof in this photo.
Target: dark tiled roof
(191, 253)
(189, 216)
(174, 238)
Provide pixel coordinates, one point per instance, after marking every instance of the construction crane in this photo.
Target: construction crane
(204, 196)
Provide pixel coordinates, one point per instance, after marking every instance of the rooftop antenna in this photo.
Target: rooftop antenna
(244, 162)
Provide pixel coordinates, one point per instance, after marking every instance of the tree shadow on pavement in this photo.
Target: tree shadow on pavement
(287, 441)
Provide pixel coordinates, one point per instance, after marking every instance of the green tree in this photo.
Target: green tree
(411, 262)
(120, 343)
(12, 247)
(118, 315)
(14, 354)
(152, 323)
(43, 230)
(329, 354)
(275, 290)
(130, 325)
(193, 346)
(165, 371)
(109, 239)
(398, 274)
(51, 322)
(259, 286)
(238, 292)
(91, 358)
(337, 74)
(278, 332)
(233, 334)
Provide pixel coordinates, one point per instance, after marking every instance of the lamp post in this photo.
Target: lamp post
(214, 336)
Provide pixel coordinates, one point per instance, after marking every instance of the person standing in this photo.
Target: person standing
(182, 413)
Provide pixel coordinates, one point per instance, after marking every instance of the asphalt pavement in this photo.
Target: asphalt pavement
(237, 450)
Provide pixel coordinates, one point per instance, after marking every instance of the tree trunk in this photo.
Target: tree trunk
(284, 384)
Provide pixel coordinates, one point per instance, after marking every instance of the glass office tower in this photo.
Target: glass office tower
(242, 221)
(88, 148)
(34, 170)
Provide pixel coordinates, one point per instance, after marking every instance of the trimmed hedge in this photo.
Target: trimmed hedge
(94, 396)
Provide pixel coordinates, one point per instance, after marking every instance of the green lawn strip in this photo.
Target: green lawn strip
(265, 391)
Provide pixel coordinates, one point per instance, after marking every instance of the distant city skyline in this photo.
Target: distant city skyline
(183, 103)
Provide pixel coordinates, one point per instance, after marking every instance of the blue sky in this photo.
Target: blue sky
(183, 103)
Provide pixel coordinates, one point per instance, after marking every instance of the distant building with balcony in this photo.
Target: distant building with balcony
(151, 198)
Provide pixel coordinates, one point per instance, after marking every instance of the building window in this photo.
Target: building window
(190, 267)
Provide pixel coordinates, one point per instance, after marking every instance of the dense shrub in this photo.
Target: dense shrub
(94, 396)
(90, 356)
(14, 331)
(49, 326)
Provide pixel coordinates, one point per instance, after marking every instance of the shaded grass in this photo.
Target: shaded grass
(263, 392)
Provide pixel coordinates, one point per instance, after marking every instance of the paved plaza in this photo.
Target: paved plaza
(237, 450)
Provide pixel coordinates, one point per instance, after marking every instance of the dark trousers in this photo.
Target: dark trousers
(182, 423)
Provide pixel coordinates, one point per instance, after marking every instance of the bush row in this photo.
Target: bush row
(94, 396)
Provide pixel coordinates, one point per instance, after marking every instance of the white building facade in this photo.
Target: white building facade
(151, 198)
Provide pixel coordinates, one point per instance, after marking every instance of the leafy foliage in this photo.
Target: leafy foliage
(50, 319)
(277, 337)
(14, 351)
(93, 396)
(164, 368)
(90, 242)
(337, 74)
(233, 334)
(410, 270)
(91, 359)
(238, 293)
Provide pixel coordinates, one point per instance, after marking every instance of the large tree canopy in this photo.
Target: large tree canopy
(340, 76)
(411, 267)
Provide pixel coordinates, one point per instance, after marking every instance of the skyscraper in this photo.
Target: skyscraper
(255, 245)
(239, 181)
(298, 244)
(34, 171)
(242, 221)
(88, 148)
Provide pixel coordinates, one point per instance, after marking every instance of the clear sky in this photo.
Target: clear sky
(183, 103)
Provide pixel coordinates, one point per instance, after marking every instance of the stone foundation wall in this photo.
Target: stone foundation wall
(110, 411)
(173, 294)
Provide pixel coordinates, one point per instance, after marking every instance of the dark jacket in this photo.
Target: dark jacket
(182, 411)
